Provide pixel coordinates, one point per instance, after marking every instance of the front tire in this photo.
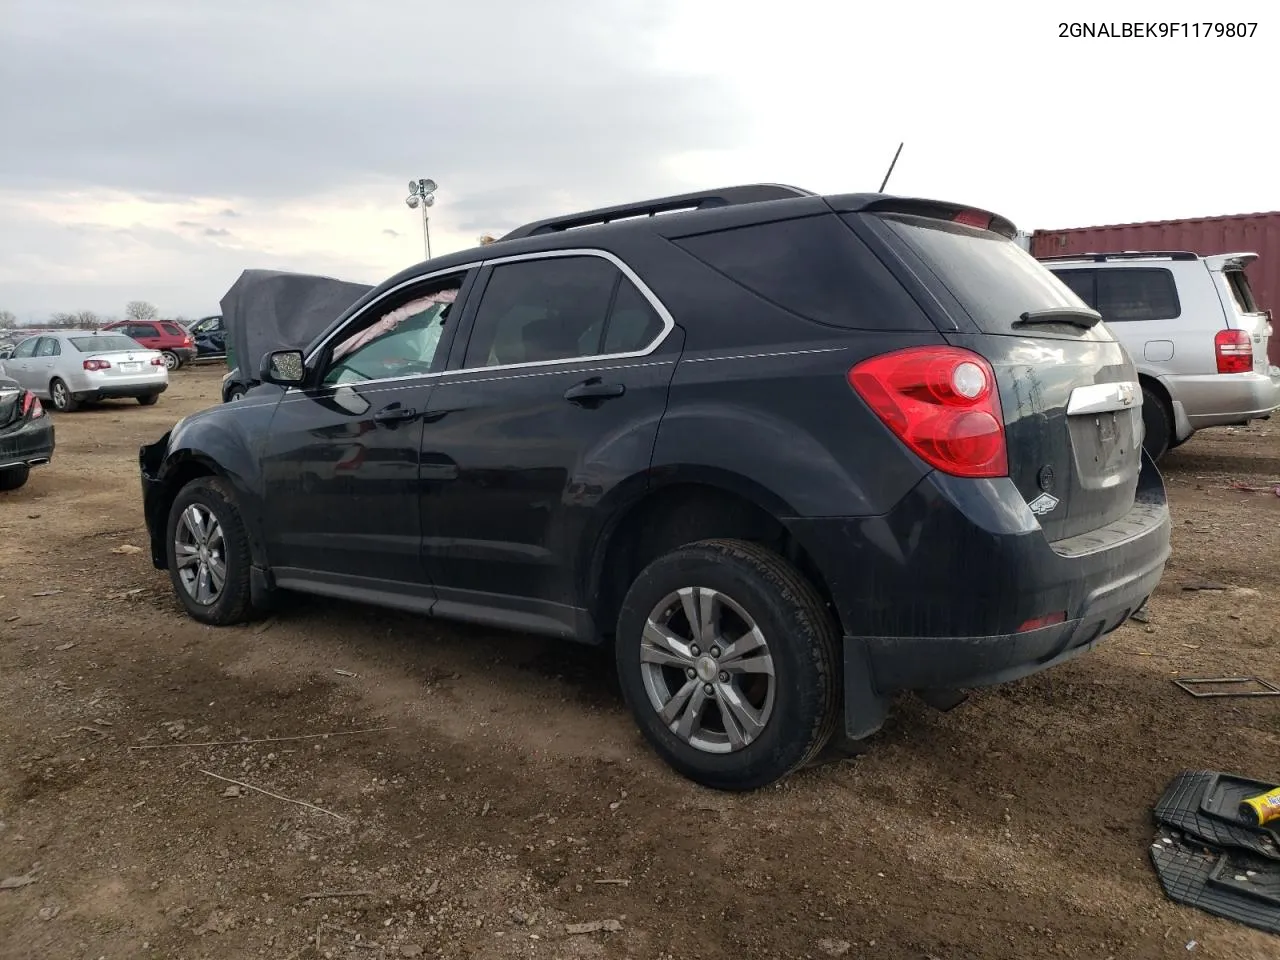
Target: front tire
(208, 550)
(14, 477)
(728, 659)
(61, 397)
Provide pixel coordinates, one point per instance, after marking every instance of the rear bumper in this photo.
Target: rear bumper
(933, 595)
(31, 444)
(1217, 399)
(120, 391)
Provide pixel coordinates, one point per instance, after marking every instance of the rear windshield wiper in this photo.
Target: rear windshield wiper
(1077, 317)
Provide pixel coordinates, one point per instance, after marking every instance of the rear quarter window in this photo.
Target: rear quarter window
(813, 267)
(173, 330)
(1241, 292)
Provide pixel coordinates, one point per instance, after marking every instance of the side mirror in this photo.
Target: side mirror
(283, 367)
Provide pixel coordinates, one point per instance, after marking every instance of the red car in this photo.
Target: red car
(163, 335)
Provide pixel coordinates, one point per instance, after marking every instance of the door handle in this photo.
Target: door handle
(593, 390)
(394, 413)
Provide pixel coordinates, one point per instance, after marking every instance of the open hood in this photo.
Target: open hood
(269, 310)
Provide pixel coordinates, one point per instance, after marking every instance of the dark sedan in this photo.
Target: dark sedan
(26, 434)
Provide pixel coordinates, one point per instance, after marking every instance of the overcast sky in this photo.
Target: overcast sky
(152, 149)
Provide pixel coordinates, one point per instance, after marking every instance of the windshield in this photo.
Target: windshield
(100, 344)
(995, 280)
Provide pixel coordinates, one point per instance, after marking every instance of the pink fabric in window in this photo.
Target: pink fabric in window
(392, 320)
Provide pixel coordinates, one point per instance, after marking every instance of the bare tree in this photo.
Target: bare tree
(8, 319)
(141, 310)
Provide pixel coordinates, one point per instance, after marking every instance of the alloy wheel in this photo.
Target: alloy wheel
(707, 670)
(200, 550)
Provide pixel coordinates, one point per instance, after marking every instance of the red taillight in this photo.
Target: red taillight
(973, 218)
(1035, 623)
(157, 361)
(1235, 351)
(97, 365)
(31, 405)
(187, 341)
(942, 403)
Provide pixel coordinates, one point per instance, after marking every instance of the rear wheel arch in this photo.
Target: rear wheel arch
(681, 513)
(1152, 387)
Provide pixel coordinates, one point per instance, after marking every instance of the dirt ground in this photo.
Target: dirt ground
(499, 792)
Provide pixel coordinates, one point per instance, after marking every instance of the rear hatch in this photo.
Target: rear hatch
(1068, 391)
(1243, 312)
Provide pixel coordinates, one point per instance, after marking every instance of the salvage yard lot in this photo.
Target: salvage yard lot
(505, 792)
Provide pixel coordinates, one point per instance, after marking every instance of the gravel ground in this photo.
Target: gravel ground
(480, 794)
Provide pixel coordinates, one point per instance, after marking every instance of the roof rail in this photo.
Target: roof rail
(1126, 255)
(703, 200)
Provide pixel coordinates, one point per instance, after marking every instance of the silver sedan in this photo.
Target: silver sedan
(76, 367)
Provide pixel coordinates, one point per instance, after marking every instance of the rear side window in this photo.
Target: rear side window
(1137, 293)
(1241, 292)
(49, 347)
(814, 267)
(1081, 283)
(1126, 294)
(558, 308)
(993, 278)
(173, 330)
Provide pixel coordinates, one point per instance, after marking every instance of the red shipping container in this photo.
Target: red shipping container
(1244, 233)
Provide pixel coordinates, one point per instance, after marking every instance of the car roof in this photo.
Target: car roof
(671, 218)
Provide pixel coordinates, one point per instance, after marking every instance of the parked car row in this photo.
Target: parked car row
(785, 455)
(70, 368)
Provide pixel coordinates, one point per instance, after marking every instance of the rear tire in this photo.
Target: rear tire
(61, 397)
(11, 478)
(1157, 423)
(149, 400)
(206, 536)
(171, 360)
(780, 687)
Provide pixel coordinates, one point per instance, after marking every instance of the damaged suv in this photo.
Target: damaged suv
(787, 455)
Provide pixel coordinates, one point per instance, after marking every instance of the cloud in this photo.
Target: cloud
(269, 114)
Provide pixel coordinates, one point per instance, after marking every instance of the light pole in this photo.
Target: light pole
(422, 193)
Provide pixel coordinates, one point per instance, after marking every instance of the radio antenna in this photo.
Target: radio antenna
(892, 164)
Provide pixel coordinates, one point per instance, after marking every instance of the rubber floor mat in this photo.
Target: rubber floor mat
(1206, 805)
(1233, 884)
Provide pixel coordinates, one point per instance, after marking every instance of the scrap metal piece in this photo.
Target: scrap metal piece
(1191, 684)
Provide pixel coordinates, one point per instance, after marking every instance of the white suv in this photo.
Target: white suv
(1194, 331)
